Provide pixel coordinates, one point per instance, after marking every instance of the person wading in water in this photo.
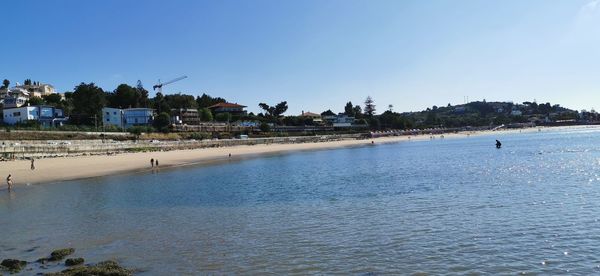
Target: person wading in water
(498, 144)
(9, 182)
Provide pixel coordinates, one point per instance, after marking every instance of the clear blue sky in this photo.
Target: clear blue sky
(314, 54)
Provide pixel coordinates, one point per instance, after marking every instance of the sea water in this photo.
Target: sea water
(441, 206)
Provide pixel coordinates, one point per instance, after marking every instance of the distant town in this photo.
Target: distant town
(36, 105)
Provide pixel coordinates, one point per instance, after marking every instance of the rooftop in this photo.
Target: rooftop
(310, 114)
(230, 105)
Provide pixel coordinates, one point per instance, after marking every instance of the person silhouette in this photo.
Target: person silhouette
(9, 182)
(498, 144)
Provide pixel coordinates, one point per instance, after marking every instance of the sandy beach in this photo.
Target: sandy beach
(71, 168)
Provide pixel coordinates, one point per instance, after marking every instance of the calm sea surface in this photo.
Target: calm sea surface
(446, 206)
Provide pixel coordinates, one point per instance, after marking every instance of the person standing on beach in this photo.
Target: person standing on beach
(152, 162)
(9, 182)
(32, 164)
(156, 162)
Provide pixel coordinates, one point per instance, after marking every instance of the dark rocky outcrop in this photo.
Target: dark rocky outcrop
(60, 254)
(106, 268)
(74, 261)
(13, 265)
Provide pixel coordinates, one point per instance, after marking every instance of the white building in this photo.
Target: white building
(15, 97)
(340, 120)
(112, 116)
(516, 112)
(37, 89)
(19, 94)
(126, 118)
(45, 115)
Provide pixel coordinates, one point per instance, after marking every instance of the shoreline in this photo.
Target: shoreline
(83, 167)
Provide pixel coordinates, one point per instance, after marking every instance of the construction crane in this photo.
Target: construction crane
(160, 85)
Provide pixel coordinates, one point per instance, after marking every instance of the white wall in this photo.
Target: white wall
(112, 116)
(20, 114)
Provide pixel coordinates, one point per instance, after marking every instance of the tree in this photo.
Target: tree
(274, 111)
(124, 96)
(206, 100)
(27, 82)
(206, 115)
(280, 108)
(390, 107)
(327, 112)
(88, 101)
(357, 112)
(265, 127)
(160, 104)
(5, 83)
(369, 107)
(179, 101)
(53, 99)
(67, 104)
(296, 121)
(223, 117)
(392, 120)
(349, 109)
(432, 119)
(374, 122)
(143, 99)
(35, 101)
(162, 122)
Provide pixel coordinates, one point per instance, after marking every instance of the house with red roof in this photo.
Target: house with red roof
(231, 108)
(314, 116)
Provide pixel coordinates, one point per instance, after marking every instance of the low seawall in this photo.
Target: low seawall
(23, 149)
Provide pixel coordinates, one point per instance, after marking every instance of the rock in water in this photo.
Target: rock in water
(13, 265)
(74, 261)
(106, 268)
(60, 254)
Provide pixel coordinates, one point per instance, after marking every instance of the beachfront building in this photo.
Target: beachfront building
(316, 118)
(185, 116)
(231, 108)
(138, 117)
(340, 121)
(112, 116)
(126, 118)
(46, 115)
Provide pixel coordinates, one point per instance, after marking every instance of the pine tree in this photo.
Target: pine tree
(369, 107)
(349, 109)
